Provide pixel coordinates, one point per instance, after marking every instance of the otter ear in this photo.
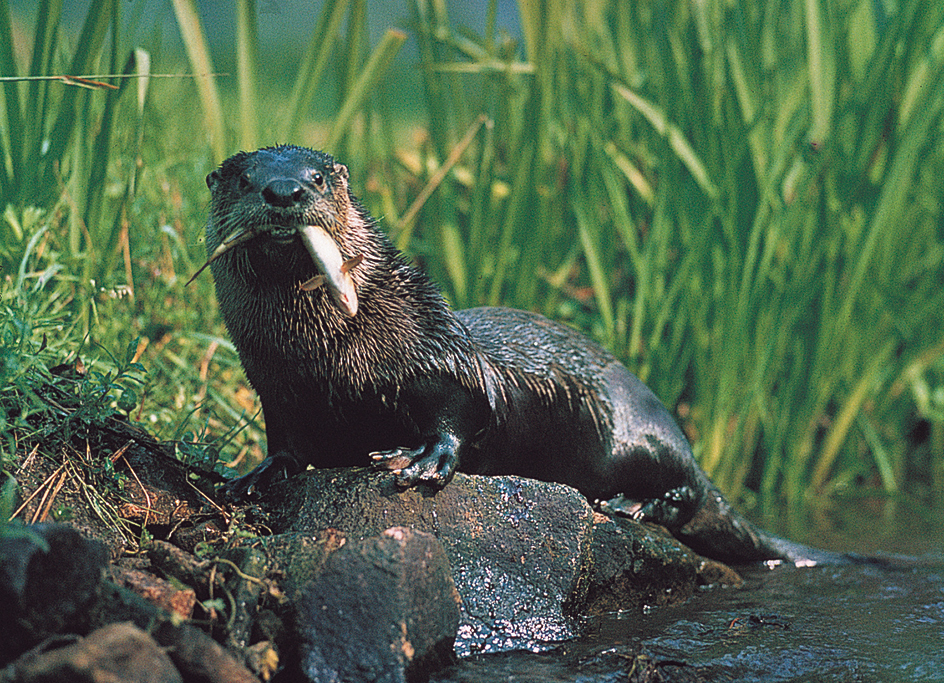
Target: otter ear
(213, 178)
(341, 171)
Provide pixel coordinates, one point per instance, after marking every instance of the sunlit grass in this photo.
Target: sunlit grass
(742, 202)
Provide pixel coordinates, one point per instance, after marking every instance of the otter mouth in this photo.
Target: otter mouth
(334, 270)
(279, 233)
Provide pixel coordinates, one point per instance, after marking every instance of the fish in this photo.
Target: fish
(335, 270)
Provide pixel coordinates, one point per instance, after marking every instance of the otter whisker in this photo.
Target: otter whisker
(236, 238)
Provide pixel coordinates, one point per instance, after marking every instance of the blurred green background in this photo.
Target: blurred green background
(742, 200)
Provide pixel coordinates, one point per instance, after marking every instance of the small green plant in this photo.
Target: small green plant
(58, 137)
(42, 400)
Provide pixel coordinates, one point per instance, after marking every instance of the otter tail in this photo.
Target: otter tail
(719, 531)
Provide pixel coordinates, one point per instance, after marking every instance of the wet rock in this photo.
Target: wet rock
(195, 654)
(297, 557)
(381, 609)
(714, 573)
(293, 561)
(179, 601)
(52, 584)
(516, 546)
(50, 577)
(117, 652)
(198, 657)
(633, 565)
(529, 560)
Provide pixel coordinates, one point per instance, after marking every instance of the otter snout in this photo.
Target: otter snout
(283, 186)
(284, 193)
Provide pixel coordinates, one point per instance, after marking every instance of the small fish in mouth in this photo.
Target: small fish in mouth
(335, 270)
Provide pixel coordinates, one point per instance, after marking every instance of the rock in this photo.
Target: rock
(195, 654)
(245, 588)
(164, 594)
(50, 578)
(633, 566)
(114, 653)
(199, 657)
(52, 582)
(178, 564)
(297, 557)
(516, 546)
(529, 560)
(382, 609)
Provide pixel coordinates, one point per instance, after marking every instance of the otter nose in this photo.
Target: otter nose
(283, 192)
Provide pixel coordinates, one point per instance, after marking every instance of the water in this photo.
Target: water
(833, 624)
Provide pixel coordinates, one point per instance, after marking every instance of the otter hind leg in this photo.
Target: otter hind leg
(672, 509)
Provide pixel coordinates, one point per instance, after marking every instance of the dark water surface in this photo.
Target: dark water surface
(863, 622)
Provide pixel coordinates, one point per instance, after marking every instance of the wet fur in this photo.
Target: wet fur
(428, 390)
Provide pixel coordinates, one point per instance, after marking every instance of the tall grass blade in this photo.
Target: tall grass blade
(845, 418)
(48, 17)
(677, 141)
(376, 67)
(503, 255)
(100, 151)
(108, 243)
(821, 51)
(884, 461)
(73, 100)
(11, 141)
(591, 239)
(320, 49)
(191, 30)
(247, 68)
(895, 186)
(354, 47)
(406, 222)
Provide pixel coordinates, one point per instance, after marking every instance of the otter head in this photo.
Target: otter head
(284, 199)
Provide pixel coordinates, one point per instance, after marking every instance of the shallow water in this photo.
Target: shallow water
(861, 622)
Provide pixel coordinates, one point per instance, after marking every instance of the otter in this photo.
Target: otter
(358, 359)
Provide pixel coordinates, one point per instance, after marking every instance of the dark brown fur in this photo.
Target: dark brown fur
(426, 391)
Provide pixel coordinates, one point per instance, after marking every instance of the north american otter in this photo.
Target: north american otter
(356, 356)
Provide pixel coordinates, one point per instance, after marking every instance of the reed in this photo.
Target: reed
(736, 199)
(741, 201)
(57, 143)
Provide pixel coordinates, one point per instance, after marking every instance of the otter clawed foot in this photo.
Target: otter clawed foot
(274, 468)
(672, 509)
(433, 463)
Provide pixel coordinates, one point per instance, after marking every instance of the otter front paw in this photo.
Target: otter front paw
(276, 467)
(433, 463)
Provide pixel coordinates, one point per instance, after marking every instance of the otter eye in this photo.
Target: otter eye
(318, 179)
(244, 182)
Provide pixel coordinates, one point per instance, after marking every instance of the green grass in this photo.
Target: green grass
(742, 202)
